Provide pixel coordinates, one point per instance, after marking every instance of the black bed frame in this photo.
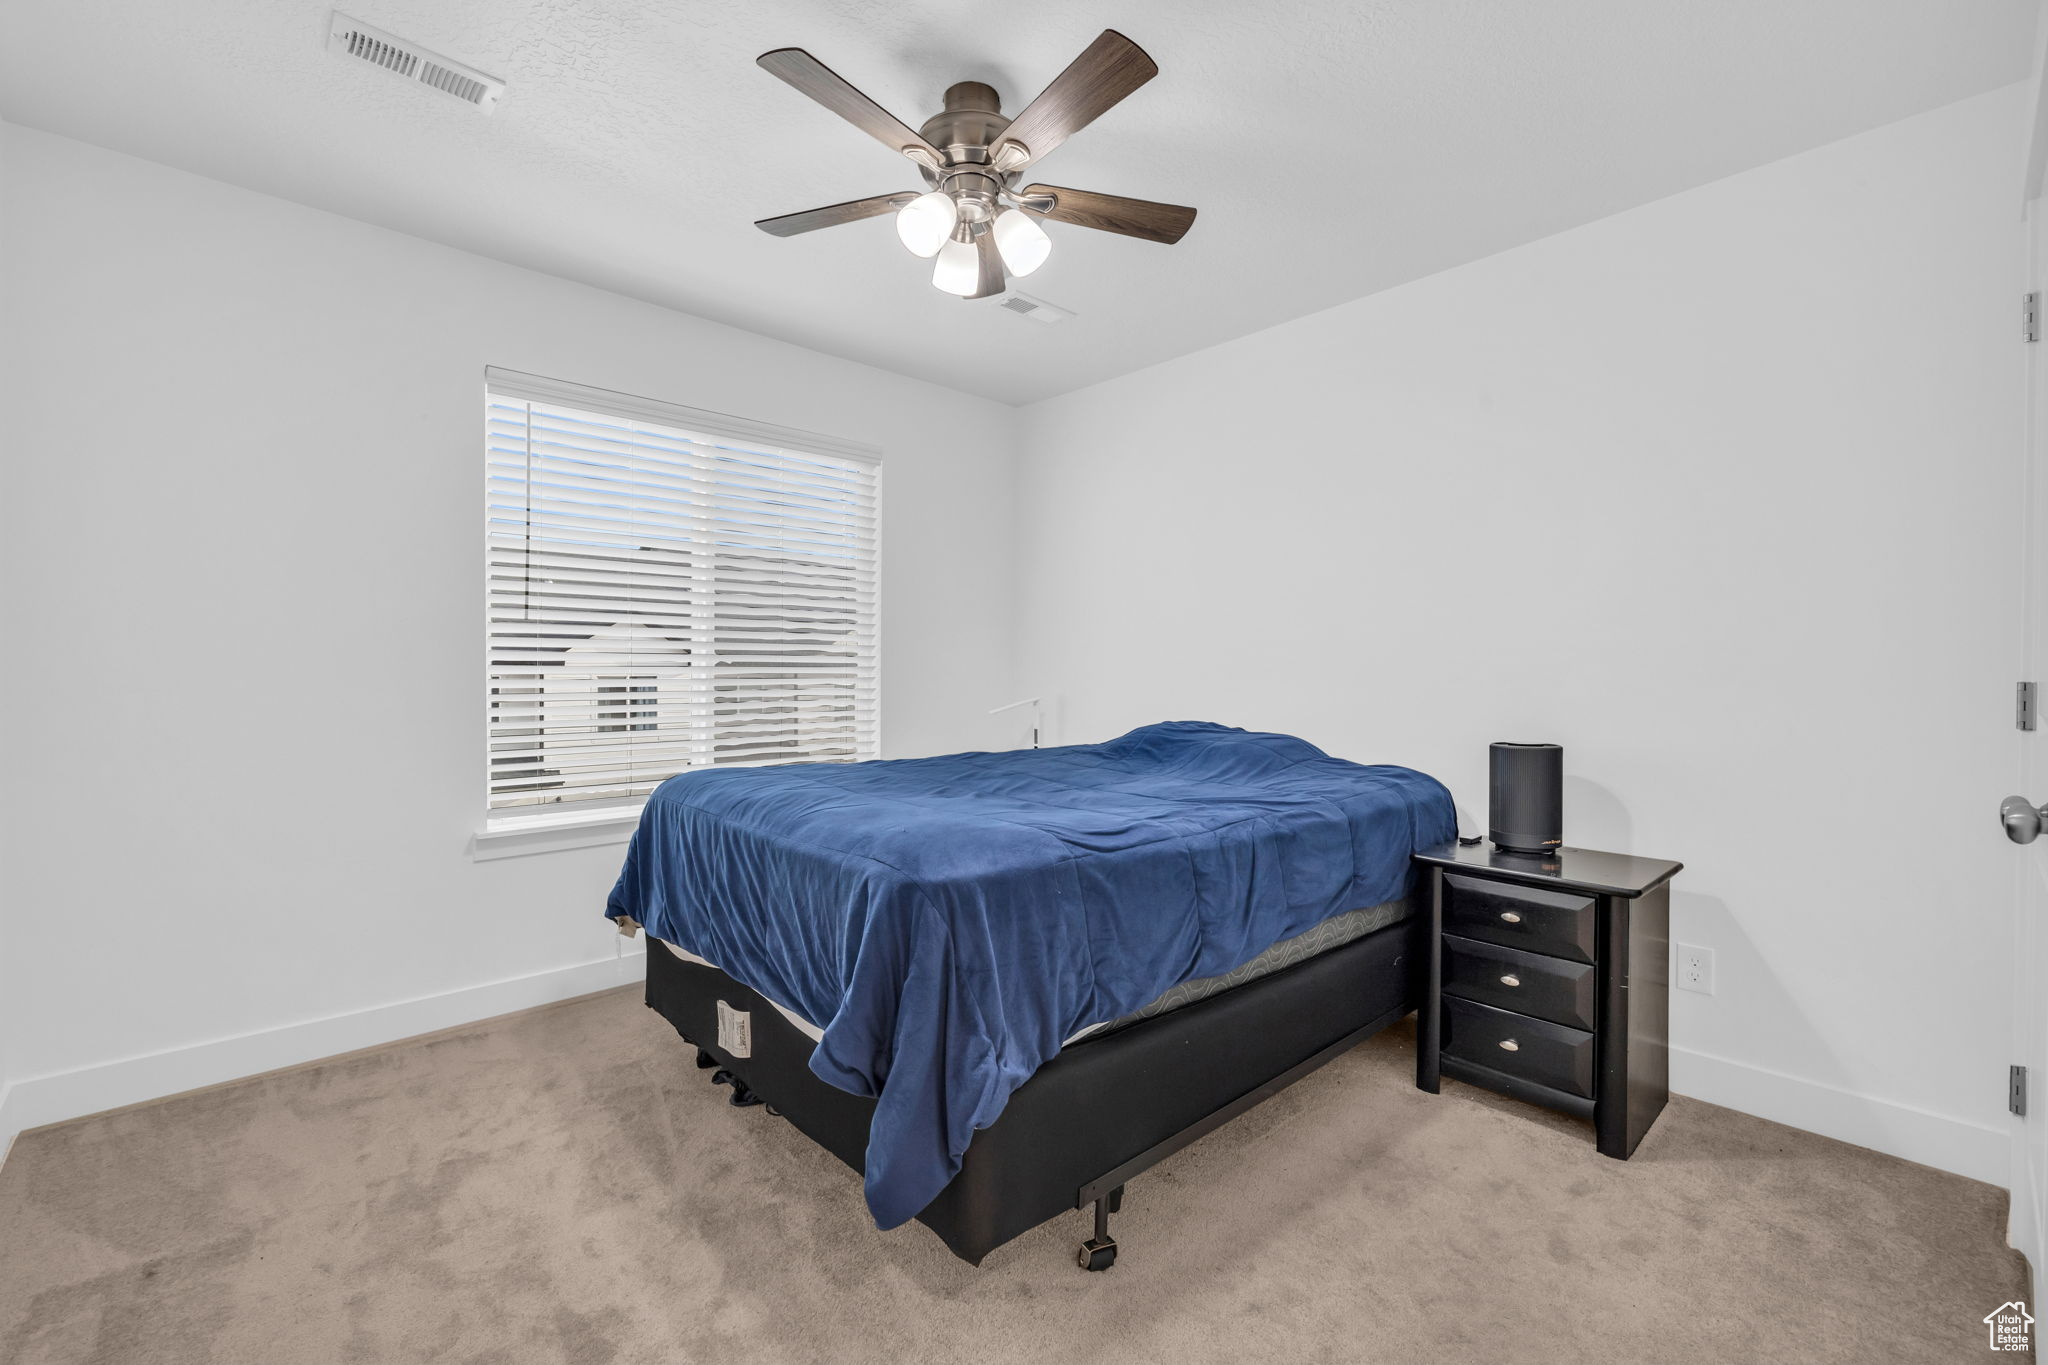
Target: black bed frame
(1102, 1111)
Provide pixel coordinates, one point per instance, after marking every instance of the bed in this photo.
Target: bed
(1000, 985)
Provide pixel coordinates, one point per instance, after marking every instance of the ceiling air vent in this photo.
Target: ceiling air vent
(353, 38)
(1038, 310)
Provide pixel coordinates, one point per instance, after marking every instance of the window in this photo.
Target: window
(667, 589)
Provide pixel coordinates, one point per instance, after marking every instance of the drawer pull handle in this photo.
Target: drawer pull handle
(1511, 981)
(1510, 1045)
(1511, 917)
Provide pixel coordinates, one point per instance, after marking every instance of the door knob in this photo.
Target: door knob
(2023, 820)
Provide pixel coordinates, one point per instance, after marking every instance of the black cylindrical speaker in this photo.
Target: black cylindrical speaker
(1526, 813)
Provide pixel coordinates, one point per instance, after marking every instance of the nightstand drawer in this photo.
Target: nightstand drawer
(1554, 923)
(1533, 1049)
(1550, 988)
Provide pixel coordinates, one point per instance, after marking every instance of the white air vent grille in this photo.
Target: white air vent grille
(452, 82)
(1038, 310)
(359, 40)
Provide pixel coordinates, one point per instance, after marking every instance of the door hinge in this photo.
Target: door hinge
(2016, 1091)
(2026, 705)
(2030, 317)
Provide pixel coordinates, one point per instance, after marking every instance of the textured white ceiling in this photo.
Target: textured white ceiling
(1334, 149)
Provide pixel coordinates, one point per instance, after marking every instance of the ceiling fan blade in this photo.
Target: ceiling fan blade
(992, 279)
(828, 88)
(832, 215)
(1166, 223)
(1111, 68)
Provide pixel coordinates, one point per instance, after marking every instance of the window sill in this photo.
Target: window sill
(519, 836)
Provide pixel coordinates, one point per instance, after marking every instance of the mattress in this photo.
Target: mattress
(1333, 932)
(950, 923)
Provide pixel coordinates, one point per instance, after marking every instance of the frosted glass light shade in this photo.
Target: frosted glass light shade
(958, 270)
(1023, 242)
(926, 222)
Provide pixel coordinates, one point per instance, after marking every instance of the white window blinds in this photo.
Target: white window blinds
(668, 589)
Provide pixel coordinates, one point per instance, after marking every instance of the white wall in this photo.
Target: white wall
(1720, 494)
(241, 585)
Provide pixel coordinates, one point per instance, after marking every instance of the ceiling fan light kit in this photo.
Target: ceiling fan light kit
(1023, 243)
(926, 222)
(973, 219)
(958, 267)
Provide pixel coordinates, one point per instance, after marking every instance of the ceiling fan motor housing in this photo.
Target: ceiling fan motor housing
(969, 124)
(964, 131)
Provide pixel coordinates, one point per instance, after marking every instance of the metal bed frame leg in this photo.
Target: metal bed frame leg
(1099, 1251)
(1106, 1191)
(742, 1097)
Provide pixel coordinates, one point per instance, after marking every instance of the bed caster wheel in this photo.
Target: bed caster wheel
(1098, 1253)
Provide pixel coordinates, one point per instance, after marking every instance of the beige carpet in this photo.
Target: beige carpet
(564, 1185)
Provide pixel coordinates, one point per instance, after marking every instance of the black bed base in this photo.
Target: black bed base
(1093, 1117)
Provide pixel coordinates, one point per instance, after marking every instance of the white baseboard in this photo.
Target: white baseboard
(2023, 1225)
(32, 1101)
(1937, 1140)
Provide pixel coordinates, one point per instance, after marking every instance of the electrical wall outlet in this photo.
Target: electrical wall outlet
(1695, 969)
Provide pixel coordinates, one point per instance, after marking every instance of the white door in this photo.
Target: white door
(2029, 1217)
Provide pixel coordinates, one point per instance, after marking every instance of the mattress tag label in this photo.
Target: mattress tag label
(735, 1031)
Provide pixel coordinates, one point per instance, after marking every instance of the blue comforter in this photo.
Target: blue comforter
(949, 921)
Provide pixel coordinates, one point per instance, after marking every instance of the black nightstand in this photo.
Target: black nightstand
(1546, 981)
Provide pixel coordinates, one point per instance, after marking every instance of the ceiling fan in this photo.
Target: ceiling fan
(972, 217)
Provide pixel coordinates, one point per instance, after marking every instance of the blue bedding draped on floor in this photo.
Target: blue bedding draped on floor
(948, 921)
